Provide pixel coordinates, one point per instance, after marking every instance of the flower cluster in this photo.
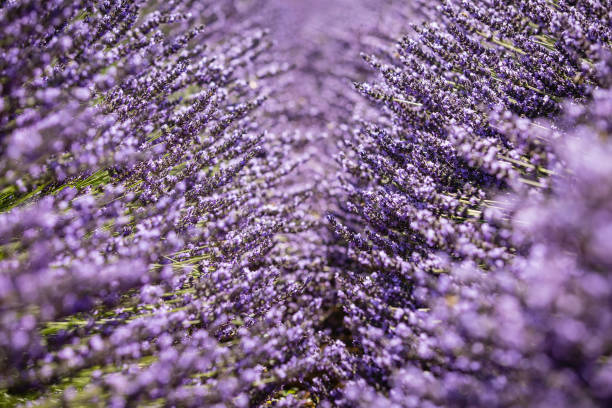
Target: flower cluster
(474, 263)
(535, 332)
(163, 238)
(151, 249)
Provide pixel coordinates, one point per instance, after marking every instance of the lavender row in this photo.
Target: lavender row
(152, 250)
(469, 211)
(161, 237)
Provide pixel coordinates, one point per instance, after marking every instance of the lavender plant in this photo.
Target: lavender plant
(161, 238)
(535, 332)
(142, 208)
(459, 134)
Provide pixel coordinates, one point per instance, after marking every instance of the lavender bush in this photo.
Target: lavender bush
(472, 257)
(163, 239)
(141, 205)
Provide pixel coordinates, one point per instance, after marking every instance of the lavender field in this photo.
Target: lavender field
(292, 203)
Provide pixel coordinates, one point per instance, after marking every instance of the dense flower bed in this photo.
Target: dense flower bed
(168, 239)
